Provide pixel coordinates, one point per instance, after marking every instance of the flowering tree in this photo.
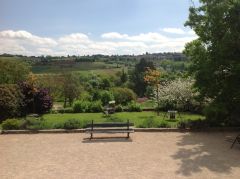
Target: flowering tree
(176, 94)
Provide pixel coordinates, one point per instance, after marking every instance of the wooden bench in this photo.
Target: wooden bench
(110, 128)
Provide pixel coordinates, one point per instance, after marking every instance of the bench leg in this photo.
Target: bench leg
(91, 136)
(128, 135)
(233, 143)
(236, 140)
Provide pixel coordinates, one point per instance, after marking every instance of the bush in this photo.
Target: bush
(32, 123)
(164, 124)
(36, 100)
(72, 124)
(182, 124)
(80, 106)
(123, 95)
(11, 101)
(148, 123)
(119, 108)
(106, 96)
(134, 107)
(95, 107)
(43, 101)
(11, 124)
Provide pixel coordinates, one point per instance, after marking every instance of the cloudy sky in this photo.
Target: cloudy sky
(81, 27)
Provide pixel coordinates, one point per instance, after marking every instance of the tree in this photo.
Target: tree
(137, 76)
(152, 77)
(215, 55)
(177, 94)
(71, 88)
(123, 95)
(35, 99)
(13, 71)
(123, 77)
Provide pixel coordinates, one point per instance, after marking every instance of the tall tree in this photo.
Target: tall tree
(71, 88)
(152, 77)
(215, 55)
(137, 76)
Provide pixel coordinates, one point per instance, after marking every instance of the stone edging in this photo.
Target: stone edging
(56, 131)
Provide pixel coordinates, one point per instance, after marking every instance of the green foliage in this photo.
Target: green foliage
(11, 124)
(11, 101)
(72, 124)
(13, 71)
(66, 110)
(81, 106)
(119, 108)
(123, 95)
(70, 87)
(95, 106)
(215, 55)
(106, 84)
(32, 123)
(148, 123)
(137, 76)
(163, 124)
(134, 107)
(106, 96)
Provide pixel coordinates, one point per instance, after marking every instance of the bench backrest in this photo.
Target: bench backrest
(110, 124)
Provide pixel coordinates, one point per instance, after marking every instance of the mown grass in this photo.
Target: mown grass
(140, 119)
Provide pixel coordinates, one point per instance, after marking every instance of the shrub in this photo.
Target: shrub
(106, 96)
(148, 123)
(36, 100)
(43, 101)
(72, 124)
(11, 101)
(123, 95)
(11, 124)
(95, 107)
(80, 106)
(134, 107)
(182, 124)
(119, 108)
(32, 123)
(163, 124)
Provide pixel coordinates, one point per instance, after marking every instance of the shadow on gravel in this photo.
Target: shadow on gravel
(200, 151)
(106, 139)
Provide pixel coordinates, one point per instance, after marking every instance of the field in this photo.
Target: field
(76, 66)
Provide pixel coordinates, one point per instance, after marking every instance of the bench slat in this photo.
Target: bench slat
(110, 131)
(115, 124)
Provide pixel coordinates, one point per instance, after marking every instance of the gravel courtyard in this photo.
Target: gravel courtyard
(146, 155)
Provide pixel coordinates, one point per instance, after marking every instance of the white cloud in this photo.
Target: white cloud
(24, 36)
(74, 38)
(114, 35)
(23, 42)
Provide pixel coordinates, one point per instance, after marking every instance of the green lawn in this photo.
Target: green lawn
(140, 119)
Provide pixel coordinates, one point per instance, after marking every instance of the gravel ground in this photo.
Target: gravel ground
(146, 155)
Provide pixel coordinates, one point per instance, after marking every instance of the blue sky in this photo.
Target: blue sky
(35, 27)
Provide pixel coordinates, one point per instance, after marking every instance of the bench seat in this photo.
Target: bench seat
(113, 131)
(110, 128)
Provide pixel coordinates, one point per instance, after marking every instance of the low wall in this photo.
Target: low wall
(55, 131)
